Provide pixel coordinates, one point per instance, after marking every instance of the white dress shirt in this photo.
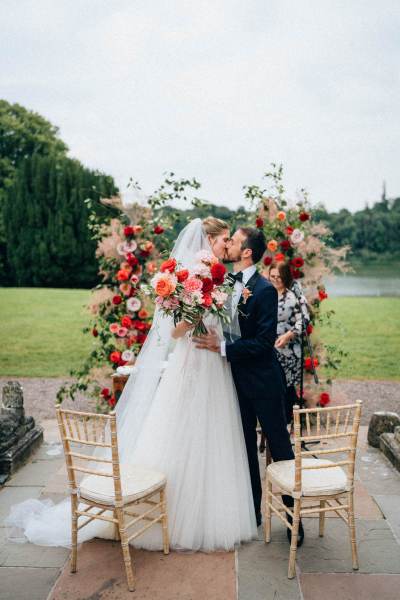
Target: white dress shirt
(237, 292)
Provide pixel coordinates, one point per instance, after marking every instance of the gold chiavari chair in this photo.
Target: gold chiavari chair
(328, 484)
(114, 492)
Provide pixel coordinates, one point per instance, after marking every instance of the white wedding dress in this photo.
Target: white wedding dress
(180, 417)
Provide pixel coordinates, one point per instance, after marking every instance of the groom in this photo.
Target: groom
(257, 374)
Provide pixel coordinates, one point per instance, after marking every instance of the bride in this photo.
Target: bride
(178, 414)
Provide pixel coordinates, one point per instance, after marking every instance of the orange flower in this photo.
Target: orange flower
(281, 215)
(151, 267)
(272, 245)
(125, 288)
(165, 286)
(143, 314)
(246, 293)
(147, 246)
(122, 275)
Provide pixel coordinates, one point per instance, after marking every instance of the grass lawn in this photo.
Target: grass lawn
(369, 330)
(41, 333)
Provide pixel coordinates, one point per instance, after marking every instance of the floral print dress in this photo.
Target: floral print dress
(289, 319)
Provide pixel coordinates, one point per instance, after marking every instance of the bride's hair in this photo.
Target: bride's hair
(213, 226)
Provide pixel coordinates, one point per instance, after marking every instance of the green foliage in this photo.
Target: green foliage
(46, 222)
(22, 134)
(372, 233)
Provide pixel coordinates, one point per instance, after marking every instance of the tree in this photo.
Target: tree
(46, 222)
(22, 134)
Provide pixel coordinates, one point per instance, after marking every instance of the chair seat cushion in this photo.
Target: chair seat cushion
(136, 482)
(314, 482)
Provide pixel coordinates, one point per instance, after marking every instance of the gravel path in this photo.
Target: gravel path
(40, 396)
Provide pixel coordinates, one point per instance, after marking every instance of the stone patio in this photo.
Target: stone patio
(256, 571)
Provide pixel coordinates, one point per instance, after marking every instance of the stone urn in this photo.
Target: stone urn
(19, 435)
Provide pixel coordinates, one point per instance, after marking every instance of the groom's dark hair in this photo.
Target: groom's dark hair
(255, 241)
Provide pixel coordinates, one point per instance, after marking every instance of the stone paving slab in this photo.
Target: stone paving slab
(29, 555)
(390, 506)
(36, 473)
(262, 572)
(350, 587)
(22, 583)
(376, 473)
(49, 451)
(178, 576)
(378, 549)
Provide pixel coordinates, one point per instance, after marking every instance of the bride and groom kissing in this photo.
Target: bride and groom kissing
(191, 407)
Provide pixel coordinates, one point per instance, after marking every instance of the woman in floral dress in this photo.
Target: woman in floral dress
(288, 343)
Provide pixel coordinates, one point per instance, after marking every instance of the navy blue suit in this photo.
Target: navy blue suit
(259, 379)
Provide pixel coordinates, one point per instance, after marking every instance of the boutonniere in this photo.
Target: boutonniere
(246, 294)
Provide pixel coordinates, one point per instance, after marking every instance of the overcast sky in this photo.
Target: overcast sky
(216, 89)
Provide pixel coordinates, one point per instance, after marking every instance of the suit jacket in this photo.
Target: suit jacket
(253, 358)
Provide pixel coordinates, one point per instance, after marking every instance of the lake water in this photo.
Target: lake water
(354, 284)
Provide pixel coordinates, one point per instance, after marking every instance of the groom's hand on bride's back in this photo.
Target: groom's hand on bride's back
(209, 341)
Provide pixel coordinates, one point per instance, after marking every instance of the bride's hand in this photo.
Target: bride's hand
(181, 329)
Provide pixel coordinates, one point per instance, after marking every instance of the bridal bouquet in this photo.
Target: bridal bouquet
(191, 295)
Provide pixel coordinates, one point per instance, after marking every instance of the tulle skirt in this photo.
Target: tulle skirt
(193, 434)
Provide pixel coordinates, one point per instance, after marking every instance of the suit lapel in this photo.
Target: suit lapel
(250, 285)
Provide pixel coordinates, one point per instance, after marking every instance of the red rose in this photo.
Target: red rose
(289, 230)
(285, 245)
(141, 338)
(207, 285)
(279, 257)
(105, 392)
(112, 401)
(95, 333)
(267, 261)
(115, 356)
(218, 273)
(297, 262)
(259, 222)
(117, 300)
(207, 300)
(304, 216)
(121, 362)
(132, 260)
(310, 329)
(158, 229)
(297, 274)
(123, 275)
(128, 231)
(322, 294)
(168, 265)
(139, 325)
(127, 322)
(182, 275)
(324, 399)
(308, 363)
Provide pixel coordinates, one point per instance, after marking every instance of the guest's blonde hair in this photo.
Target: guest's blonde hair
(214, 227)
